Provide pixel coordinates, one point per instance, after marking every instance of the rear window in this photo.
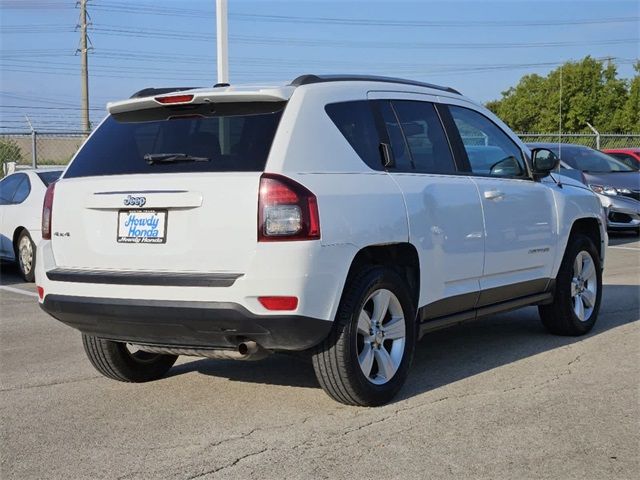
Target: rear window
(223, 137)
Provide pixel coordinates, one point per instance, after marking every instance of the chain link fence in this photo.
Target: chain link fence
(598, 141)
(37, 149)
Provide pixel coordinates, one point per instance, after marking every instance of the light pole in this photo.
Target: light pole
(222, 41)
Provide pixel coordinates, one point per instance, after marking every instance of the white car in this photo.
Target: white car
(338, 215)
(21, 196)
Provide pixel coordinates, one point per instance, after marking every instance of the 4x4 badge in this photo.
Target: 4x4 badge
(135, 201)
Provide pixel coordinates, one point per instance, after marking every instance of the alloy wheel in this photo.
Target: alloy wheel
(584, 286)
(381, 336)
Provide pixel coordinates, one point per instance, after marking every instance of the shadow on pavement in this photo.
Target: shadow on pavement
(445, 356)
(9, 273)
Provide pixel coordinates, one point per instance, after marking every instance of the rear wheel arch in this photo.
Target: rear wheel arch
(401, 257)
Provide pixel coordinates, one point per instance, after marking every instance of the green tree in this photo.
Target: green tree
(631, 110)
(585, 91)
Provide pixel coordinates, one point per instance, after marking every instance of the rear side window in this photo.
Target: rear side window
(224, 137)
(356, 123)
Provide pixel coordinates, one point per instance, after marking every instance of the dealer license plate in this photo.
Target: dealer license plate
(142, 226)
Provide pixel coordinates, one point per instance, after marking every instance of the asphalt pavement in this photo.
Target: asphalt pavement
(498, 398)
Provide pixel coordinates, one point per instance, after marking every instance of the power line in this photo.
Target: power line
(40, 107)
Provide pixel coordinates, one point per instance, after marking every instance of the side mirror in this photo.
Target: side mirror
(544, 162)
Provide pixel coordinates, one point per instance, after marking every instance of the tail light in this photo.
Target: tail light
(47, 208)
(286, 210)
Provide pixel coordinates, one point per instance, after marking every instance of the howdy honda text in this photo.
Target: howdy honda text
(142, 226)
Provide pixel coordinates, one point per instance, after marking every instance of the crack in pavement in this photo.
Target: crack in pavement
(230, 465)
(51, 384)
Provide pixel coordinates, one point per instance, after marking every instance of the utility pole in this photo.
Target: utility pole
(84, 67)
(222, 41)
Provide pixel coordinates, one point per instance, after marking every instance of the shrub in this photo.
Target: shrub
(9, 151)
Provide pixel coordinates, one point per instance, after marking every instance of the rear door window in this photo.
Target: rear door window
(401, 156)
(231, 137)
(425, 137)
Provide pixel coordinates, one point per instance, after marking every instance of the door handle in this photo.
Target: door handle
(493, 194)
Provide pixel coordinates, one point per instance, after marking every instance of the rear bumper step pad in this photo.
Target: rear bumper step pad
(168, 279)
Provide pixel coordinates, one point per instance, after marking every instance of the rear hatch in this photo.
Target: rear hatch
(166, 188)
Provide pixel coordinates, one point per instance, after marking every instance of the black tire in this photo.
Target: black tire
(115, 361)
(27, 269)
(335, 360)
(559, 317)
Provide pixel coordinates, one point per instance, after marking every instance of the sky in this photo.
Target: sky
(478, 47)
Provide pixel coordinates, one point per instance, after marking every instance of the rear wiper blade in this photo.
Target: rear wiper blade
(152, 158)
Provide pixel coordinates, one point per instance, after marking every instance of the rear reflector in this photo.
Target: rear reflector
(40, 292)
(279, 303)
(174, 99)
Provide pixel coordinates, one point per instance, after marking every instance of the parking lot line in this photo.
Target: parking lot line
(18, 290)
(625, 248)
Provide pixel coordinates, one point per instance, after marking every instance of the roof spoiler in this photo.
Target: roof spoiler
(157, 97)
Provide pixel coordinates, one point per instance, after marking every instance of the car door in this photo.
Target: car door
(8, 188)
(443, 208)
(519, 213)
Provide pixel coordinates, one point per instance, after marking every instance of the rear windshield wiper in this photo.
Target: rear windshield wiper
(152, 158)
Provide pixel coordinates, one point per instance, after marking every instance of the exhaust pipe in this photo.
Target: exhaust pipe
(250, 350)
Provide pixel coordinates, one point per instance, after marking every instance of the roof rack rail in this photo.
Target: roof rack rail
(310, 79)
(148, 92)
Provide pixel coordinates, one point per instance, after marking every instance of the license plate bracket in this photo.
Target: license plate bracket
(142, 226)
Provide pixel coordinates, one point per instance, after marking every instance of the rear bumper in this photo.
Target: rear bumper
(184, 323)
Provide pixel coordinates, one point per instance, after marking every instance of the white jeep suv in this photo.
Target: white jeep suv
(345, 216)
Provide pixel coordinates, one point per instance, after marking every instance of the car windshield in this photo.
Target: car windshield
(49, 177)
(589, 160)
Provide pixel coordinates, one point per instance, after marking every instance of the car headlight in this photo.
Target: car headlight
(607, 190)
